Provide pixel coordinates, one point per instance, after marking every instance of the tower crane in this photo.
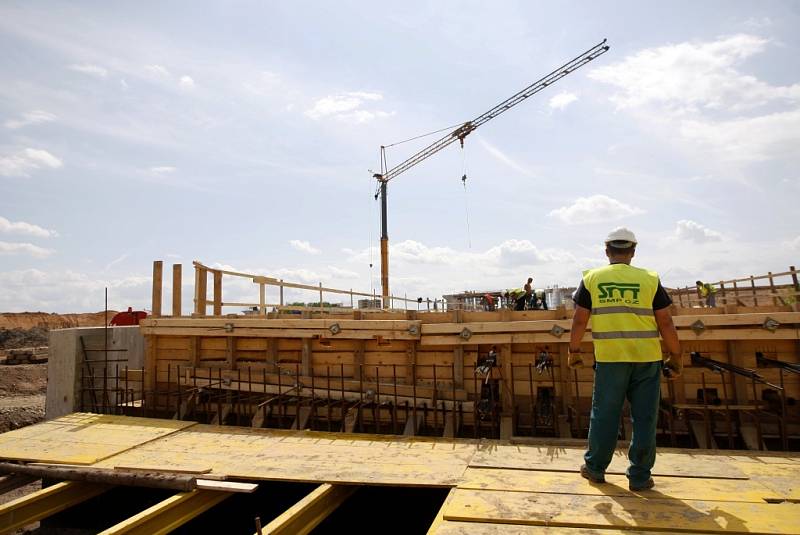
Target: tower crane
(459, 134)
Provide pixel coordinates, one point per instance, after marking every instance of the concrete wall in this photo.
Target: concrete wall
(66, 357)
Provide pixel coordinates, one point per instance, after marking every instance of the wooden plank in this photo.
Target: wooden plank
(690, 463)
(350, 334)
(680, 488)
(15, 481)
(310, 511)
(701, 435)
(266, 323)
(227, 486)
(201, 287)
(684, 516)
(750, 437)
(448, 527)
(158, 279)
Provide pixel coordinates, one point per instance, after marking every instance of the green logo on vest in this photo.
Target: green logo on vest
(607, 290)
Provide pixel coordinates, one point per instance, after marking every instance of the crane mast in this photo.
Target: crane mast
(459, 134)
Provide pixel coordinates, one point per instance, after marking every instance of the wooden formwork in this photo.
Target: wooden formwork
(398, 361)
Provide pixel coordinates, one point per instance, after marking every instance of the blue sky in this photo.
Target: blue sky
(241, 134)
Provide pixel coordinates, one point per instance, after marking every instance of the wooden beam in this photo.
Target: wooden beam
(177, 281)
(46, 502)
(169, 514)
(306, 357)
(15, 481)
(158, 268)
(458, 366)
(309, 512)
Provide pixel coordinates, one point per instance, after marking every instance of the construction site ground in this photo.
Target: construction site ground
(486, 486)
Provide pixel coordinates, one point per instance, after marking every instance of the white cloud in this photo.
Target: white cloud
(504, 158)
(163, 169)
(123, 84)
(27, 160)
(792, 245)
(747, 139)
(562, 100)
(695, 92)
(304, 246)
(157, 70)
(31, 117)
(690, 76)
(347, 107)
(340, 273)
(687, 230)
(594, 209)
(116, 261)
(21, 227)
(186, 82)
(13, 248)
(91, 70)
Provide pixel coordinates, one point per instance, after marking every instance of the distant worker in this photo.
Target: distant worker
(529, 297)
(539, 301)
(629, 309)
(488, 302)
(708, 291)
(518, 297)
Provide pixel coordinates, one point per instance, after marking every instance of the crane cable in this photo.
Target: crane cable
(371, 246)
(464, 183)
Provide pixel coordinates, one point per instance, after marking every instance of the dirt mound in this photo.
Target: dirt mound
(30, 320)
(17, 338)
(22, 395)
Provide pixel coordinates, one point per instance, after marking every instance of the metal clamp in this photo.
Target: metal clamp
(698, 327)
(770, 324)
(335, 328)
(465, 334)
(557, 330)
(229, 327)
(413, 330)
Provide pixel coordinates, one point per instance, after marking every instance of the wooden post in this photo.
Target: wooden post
(722, 291)
(177, 279)
(194, 350)
(150, 360)
(272, 354)
(772, 289)
(201, 291)
(217, 293)
(753, 286)
(281, 286)
(262, 299)
(505, 363)
(351, 298)
(158, 268)
(320, 297)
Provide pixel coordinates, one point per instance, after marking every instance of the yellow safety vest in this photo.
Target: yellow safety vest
(624, 327)
(706, 289)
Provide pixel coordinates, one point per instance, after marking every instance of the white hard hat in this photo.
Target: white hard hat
(621, 238)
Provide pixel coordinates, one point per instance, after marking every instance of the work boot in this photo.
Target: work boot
(586, 474)
(647, 485)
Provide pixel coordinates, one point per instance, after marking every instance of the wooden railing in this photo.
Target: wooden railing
(781, 289)
(202, 302)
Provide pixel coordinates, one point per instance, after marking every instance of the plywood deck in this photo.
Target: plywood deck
(498, 488)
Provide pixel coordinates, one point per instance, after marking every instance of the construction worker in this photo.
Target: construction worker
(519, 296)
(488, 302)
(529, 292)
(708, 291)
(629, 308)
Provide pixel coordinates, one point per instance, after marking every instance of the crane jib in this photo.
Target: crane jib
(468, 127)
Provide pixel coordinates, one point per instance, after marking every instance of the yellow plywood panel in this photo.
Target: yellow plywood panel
(83, 438)
(529, 457)
(480, 528)
(292, 456)
(727, 490)
(687, 516)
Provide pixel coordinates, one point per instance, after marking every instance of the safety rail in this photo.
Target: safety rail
(745, 292)
(202, 301)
